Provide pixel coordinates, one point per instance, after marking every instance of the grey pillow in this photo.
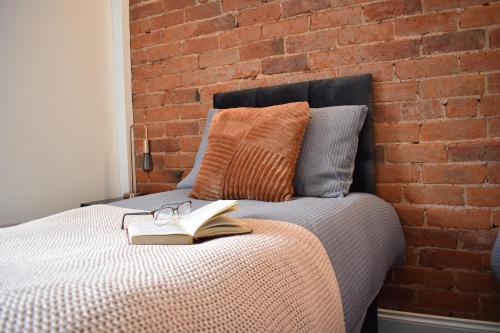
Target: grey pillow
(188, 181)
(326, 160)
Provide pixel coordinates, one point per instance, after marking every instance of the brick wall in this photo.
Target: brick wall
(436, 71)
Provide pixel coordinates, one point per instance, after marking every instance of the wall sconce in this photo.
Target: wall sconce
(147, 160)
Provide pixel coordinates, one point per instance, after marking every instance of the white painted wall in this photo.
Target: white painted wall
(61, 113)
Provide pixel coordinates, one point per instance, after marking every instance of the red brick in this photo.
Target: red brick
(200, 77)
(216, 24)
(448, 301)
(422, 152)
(187, 127)
(160, 114)
(141, 41)
(462, 107)
(481, 61)
(394, 50)
(138, 57)
(165, 145)
(398, 91)
(490, 105)
(230, 5)
(207, 92)
(312, 41)
(336, 18)
(294, 7)
(432, 5)
(163, 83)
(493, 84)
(403, 132)
(239, 36)
(454, 130)
(163, 51)
(147, 100)
(263, 81)
(424, 277)
(199, 45)
(480, 16)
(393, 296)
(477, 282)
(148, 188)
(494, 173)
(218, 58)
(475, 151)
(421, 110)
(147, 71)
(179, 160)
(180, 96)
(284, 64)
(422, 24)
(427, 67)
(389, 192)
(397, 173)
(458, 218)
(391, 8)
(454, 41)
(494, 127)
(139, 27)
(410, 215)
(180, 64)
(139, 86)
(441, 238)
(144, 10)
(381, 72)
(203, 11)
(180, 32)
(463, 85)
(329, 58)
(365, 33)
(193, 111)
(494, 38)
(387, 112)
(477, 240)
(308, 76)
(483, 196)
(434, 194)
(169, 5)
(240, 70)
(438, 258)
(264, 13)
(284, 28)
(190, 143)
(166, 20)
(262, 49)
(453, 174)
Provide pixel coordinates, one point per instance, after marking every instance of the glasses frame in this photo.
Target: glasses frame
(152, 212)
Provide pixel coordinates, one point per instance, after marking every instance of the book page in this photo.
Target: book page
(204, 214)
(149, 228)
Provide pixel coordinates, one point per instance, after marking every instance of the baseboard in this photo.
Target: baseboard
(390, 321)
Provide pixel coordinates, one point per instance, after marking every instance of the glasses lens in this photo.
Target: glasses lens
(184, 209)
(164, 215)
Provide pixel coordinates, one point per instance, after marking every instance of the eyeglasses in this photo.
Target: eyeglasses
(165, 214)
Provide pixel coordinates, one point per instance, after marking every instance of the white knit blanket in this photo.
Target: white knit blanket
(75, 271)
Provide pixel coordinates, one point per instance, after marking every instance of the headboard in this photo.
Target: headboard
(351, 90)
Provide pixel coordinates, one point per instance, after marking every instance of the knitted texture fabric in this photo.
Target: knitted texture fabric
(75, 271)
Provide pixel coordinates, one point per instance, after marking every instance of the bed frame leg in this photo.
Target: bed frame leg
(370, 325)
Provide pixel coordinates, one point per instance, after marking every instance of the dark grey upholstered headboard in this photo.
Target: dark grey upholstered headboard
(351, 90)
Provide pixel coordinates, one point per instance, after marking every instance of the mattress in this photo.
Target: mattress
(360, 232)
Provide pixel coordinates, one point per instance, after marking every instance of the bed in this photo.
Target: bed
(360, 235)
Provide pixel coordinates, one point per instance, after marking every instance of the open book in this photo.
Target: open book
(207, 221)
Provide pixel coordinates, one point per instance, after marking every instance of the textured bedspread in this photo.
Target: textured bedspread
(360, 232)
(75, 271)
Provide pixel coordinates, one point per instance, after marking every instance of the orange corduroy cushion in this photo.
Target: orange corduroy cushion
(252, 152)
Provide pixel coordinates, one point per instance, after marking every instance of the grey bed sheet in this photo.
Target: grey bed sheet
(360, 232)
